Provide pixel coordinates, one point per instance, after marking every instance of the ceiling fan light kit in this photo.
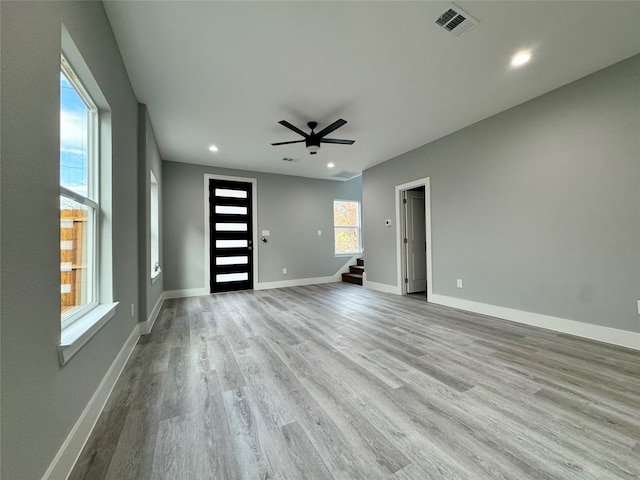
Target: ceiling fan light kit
(313, 140)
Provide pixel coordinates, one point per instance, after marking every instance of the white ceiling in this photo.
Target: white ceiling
(225, 73)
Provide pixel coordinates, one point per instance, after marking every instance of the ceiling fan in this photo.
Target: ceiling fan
(313, 139)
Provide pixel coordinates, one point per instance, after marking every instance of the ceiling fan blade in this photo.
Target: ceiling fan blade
(286, 143)
(327, 130)
(284, 123)
(337, 140)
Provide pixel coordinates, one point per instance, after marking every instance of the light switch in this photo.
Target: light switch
(387, 222)
(319, 232)
(266, 233)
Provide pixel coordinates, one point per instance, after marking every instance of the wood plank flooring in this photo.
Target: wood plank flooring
(338, 382)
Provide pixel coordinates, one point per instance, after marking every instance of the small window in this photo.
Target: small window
(155, 227)
(346, 227)
(79, 197)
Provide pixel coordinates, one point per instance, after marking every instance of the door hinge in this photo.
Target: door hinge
(406, 280)
(404, 200)
(406, 240)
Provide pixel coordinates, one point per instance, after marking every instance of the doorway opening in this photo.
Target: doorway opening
(413, 212)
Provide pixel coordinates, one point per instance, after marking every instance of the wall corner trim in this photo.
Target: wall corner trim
(71, 448)
(599, 333)
(147, 325)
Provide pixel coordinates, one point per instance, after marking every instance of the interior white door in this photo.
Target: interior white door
(416, 242)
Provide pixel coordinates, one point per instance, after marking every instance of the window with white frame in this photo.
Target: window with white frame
(79, 197)
(346, 227)
(155, 227)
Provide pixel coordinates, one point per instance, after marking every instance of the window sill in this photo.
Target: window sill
(76, 335)
(347, 254)
(155, 278)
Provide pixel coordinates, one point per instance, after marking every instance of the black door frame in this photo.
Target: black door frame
(209, 222)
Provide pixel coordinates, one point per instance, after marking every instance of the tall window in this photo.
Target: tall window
(155, 227)
(79, 207)
(346, 227)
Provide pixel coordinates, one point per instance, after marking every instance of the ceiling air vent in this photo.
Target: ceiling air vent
(290, 160)
(346, 175)
(456, 20)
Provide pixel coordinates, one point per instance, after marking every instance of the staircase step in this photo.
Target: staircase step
(360, 262)
(354, 278)
(356, 269)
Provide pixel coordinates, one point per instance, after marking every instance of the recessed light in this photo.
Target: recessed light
(520, 59)
(331, 164)
(213, 148)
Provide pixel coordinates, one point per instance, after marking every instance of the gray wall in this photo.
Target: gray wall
(149, 161)
(41, 401)
(292, 208)
(536, 209)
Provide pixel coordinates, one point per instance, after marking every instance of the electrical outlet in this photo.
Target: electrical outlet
(459, 283)
(284, 271)
(133, 310)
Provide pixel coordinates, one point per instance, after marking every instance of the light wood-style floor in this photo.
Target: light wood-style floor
(335, 381)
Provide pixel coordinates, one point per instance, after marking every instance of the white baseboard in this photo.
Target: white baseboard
(614, 336)
(187, 292)
(147, 325)
(295, 283)
(70, 450)
(610, 335)
(381, 287)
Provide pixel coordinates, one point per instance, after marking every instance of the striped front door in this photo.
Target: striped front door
(230, 223)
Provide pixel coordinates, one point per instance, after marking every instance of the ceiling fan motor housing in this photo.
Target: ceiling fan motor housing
(313, 144)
